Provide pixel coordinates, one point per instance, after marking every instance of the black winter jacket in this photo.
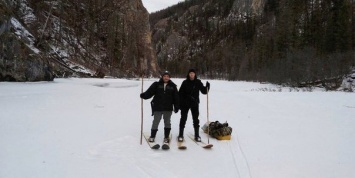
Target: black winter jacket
(163, 100)
(189, 92)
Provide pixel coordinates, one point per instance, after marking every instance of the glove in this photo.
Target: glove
(208, 85)
(142, 95)
(176, 109)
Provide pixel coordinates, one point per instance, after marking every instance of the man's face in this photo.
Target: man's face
(166, 78)
(192, 75)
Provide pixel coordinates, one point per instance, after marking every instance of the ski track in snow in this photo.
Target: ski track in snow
(121, 85)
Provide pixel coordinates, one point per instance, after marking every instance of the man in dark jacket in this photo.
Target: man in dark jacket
(189, 99)
(165, 97)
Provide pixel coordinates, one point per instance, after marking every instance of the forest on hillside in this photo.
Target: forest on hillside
(298, 43)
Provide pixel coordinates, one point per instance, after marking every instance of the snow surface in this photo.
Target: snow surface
(90, 128)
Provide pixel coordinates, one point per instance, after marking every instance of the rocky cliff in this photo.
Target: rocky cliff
(40, 40)
(202, 33)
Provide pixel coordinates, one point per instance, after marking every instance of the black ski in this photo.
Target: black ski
(202, 144)
(152, 145)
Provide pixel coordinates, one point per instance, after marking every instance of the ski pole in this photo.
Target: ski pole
(208, 121)
(142, 112)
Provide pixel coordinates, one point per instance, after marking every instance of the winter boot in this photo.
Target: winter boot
(167, 134)
(153, 133)
(197, 135)
(166, 140)
(181, 135)
(180, 139)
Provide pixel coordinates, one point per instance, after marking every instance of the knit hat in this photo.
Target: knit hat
(192, 70)
(165, 73)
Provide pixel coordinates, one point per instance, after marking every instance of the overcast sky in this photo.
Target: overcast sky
(155, 5)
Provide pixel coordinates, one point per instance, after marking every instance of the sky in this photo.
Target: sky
(155, 5)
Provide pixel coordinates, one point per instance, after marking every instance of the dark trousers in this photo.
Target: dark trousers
(195, 113)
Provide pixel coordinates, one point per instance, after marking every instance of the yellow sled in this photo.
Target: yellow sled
(226, 137)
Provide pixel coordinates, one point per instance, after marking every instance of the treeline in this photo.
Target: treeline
(310, 42)
(297, 43)
(175, 10)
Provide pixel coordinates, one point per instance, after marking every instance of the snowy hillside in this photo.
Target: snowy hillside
(90, 128)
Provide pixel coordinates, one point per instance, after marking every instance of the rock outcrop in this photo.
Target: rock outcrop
(40, 40)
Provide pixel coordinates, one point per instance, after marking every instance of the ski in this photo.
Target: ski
(202, 144)
(166, 146)
(152, 145)
(181, 145)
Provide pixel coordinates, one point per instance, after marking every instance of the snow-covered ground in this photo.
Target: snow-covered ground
(90, 128)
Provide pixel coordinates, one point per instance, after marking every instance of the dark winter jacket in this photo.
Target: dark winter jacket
(189, 92)
(163, 100)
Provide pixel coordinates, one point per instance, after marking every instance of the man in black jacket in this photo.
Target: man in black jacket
(165, 97)
(189, 99)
